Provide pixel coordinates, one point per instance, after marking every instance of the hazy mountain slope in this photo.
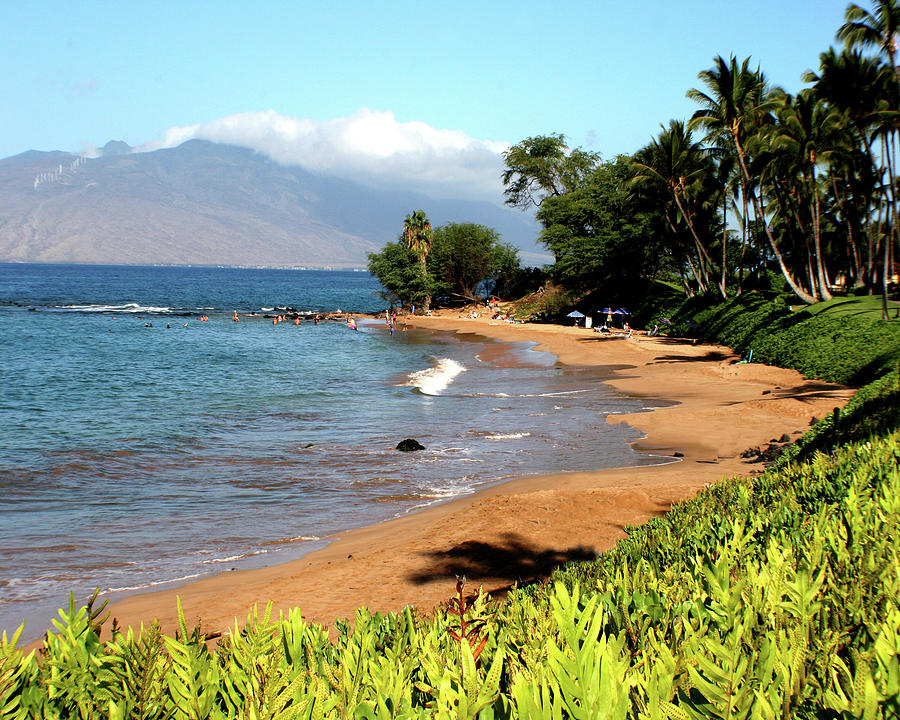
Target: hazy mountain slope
(203, 203)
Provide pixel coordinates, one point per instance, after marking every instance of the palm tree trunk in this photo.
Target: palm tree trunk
(799, 291)
(423, 269)
(824, 293)
(744, 242)
(700, 285)
(888, 142)
(724, 239)
(703, 255)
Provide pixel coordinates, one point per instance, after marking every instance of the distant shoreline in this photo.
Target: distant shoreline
(323, 268)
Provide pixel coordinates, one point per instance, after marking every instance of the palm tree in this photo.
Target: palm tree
(418, 236)
(879, 29)
(873, 29)
(678, 164)
(737, 104)
(851, 83)
(807, 133)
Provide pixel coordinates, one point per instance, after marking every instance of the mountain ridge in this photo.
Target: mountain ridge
(203, 203)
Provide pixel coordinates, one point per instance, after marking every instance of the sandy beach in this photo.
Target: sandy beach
(520, 530)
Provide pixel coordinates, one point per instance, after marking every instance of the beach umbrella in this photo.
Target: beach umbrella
(605, 311)
(575, 314)
(620, 311)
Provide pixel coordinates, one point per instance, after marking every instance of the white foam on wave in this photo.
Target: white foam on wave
(436, 379)
(152, 583)
(232, 558)
(507, 436)
(125, 308)
(563, 392)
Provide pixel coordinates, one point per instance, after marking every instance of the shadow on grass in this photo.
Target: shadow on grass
(512, 560)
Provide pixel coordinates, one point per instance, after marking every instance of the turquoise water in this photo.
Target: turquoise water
(141, 446)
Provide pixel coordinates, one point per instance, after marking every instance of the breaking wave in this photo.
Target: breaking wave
(437, 378)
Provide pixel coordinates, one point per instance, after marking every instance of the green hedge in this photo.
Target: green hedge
(851, 350)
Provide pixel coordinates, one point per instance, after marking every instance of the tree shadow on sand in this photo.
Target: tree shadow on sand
(711, 356)
(511, 560)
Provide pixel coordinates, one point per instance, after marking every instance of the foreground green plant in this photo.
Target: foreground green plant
(769, 597)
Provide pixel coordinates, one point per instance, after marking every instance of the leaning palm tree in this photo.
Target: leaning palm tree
(676, 162)
(737, 104)
(418, 236)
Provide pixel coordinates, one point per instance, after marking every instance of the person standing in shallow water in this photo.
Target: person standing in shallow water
(236, 318)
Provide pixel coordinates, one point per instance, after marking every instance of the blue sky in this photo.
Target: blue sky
(604, 73)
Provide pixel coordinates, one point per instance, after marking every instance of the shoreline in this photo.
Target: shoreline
(517, 531)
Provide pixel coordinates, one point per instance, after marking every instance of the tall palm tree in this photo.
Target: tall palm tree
(677, 163)
(418, 236)
(879, 29)
(806, 135)
(852, 83)
(738, 102)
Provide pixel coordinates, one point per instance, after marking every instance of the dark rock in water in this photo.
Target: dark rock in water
(409, 445)
(677, 454)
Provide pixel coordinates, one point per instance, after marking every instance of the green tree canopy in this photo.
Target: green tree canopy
(461, 257)
(542, 166)
(399, 272)
(599, 234)
(466, 255)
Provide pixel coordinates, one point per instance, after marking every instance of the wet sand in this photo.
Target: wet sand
(520, 530)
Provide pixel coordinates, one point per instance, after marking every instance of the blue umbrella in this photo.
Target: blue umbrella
(575, 314)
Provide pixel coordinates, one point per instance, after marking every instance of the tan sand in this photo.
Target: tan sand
(519, 531)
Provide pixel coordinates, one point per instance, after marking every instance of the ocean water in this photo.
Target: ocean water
(142, 447)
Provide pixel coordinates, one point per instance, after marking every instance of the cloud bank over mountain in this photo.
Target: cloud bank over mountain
(370, 146)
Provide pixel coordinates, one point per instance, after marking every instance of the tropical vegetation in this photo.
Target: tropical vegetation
(456, 262)
(759, 189)
(770, 596)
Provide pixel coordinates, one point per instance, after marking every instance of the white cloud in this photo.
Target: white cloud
(370, 146)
